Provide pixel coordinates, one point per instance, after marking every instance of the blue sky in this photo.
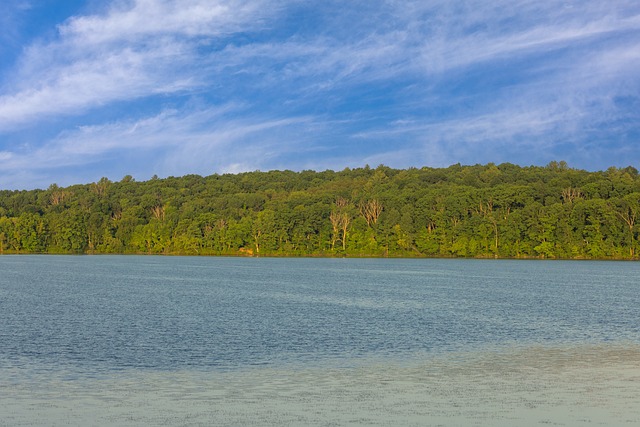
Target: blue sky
(92, 88)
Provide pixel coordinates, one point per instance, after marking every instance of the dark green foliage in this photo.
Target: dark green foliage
(461, 211)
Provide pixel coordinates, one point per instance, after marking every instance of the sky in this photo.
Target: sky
(108, 88)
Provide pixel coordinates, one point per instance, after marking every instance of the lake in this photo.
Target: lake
(140, 340)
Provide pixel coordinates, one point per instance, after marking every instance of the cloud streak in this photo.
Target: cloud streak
(204, 85)
(143, 19)
(222, 138)
(133, 51)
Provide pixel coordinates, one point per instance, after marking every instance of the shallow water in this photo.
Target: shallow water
(563, 386)
(234, 341)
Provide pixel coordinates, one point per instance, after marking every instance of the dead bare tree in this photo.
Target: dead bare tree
(370, 211)
(100, 188)
(345, 220)
(158, 212)
(340, 218)
(569, 194)
(341, 203)
(334, 217)
(629, 216)
(58, 195)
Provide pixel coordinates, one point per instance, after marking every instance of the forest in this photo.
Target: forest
(483, 211)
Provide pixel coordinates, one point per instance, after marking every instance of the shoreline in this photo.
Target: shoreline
(315, 256)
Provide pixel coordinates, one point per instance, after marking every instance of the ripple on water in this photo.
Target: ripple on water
(562, 385)
(238, 341)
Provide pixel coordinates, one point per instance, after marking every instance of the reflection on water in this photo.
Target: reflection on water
(566, 386)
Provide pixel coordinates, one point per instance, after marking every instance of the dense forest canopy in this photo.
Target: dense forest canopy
(460, 211)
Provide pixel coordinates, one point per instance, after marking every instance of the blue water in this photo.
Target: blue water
(96, 315)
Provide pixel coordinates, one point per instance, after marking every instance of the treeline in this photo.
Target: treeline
(461, 211)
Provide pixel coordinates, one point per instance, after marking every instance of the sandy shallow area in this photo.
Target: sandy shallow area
(558, 386)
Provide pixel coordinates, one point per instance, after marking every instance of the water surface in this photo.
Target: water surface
(128, 340)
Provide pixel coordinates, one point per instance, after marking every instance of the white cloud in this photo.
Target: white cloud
(468, 33)
(427, 40)
(200, 141)
(529, 121)
(556, 100)
(150, 18)
(146, 47)
(112, 76)
(564, 61)
(134, 50)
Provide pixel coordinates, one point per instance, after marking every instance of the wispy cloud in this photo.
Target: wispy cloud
(112, 76)
(170, 142)
(144, 19)
(553, 114)
(134, 50)
(468, 33)
(288, 83)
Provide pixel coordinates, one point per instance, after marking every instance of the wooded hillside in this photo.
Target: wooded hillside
(465, 211)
